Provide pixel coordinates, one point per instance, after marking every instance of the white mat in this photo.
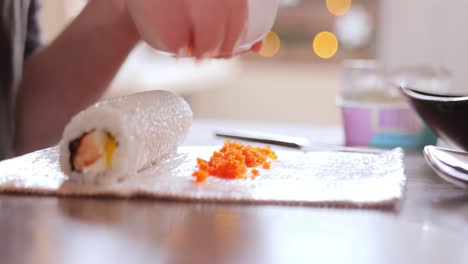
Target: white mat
(314, 178)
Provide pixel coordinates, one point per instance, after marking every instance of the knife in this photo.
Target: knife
(289, 142)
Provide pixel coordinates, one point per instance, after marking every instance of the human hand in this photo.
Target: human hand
(199, 28)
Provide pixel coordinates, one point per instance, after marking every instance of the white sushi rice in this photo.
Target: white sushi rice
(147, 126)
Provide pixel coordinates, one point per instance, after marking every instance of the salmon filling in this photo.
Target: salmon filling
(92, 152)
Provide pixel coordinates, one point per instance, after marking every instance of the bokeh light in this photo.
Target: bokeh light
(355, 29)
(325, 45)
(338, 7)
(271, 45)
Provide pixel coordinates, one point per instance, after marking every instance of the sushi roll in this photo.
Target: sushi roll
(115, 139)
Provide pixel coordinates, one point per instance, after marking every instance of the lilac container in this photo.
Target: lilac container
(374, 112)
(383, 126)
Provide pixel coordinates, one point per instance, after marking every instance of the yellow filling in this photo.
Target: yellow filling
(109, 149)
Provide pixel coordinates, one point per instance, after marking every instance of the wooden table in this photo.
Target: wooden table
(430, 226)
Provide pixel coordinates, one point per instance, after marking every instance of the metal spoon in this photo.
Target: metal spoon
(450, 165)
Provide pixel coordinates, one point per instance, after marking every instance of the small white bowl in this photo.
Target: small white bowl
(262, 14)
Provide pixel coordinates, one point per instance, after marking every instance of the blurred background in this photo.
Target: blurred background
(297, 76)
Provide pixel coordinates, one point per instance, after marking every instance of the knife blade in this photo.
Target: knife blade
(298, 143)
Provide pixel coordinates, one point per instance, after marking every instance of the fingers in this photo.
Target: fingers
(163, 24)
(175, 27)
(257, 46)
(208, 21)
(237, 16)
(201, 28)
(218, 25)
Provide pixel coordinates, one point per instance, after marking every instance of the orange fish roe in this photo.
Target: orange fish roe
(255, 173)
(201, 175)
(233, 160)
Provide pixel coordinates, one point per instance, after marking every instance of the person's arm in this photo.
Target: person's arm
(71, 73)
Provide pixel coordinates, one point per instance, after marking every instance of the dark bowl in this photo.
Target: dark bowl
(446, 115)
